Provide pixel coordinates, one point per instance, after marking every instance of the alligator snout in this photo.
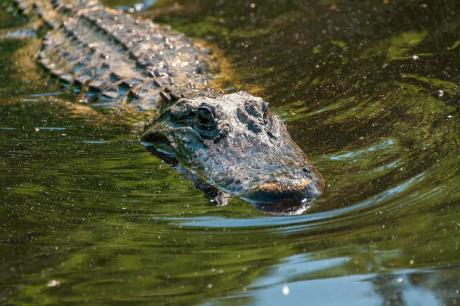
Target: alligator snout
(284, 196)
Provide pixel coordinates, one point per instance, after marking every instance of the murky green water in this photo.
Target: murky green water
(368, 88)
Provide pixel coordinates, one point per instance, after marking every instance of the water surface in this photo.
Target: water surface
(368, 88)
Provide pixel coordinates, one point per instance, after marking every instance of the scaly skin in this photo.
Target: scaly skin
(225, 143)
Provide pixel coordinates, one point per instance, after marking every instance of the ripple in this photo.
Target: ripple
(385, 144)
(312, 221)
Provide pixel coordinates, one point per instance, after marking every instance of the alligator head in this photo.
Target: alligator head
(235, 144)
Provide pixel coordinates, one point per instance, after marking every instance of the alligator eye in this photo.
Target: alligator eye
(205, 118)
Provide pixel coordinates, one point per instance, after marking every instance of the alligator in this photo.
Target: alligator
(227, 144)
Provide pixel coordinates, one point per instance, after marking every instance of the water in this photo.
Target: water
(368, 88)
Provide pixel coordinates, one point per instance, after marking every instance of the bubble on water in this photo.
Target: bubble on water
(139, 6)
(53, 283)
(285, 290)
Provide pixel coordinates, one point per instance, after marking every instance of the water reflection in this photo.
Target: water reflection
(291, 224)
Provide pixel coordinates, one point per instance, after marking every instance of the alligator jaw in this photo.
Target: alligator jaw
(285, 197)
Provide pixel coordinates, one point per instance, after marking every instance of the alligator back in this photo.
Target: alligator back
(117, 58)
